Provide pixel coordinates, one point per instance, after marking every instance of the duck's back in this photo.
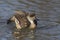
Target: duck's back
(23, 21)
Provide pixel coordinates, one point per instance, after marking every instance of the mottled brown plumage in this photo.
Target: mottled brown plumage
(23, 20)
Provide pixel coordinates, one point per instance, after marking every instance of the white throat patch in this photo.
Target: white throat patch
(31, 21)
(32, 25)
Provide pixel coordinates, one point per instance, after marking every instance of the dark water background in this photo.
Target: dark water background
(48, 11)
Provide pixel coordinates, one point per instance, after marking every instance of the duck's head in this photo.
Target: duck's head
(32, 18)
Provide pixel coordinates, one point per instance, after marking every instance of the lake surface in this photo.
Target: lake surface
(48, 11)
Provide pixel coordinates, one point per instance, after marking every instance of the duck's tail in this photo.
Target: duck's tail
(8, 21)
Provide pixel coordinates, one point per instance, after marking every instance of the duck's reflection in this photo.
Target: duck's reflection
(25, 34)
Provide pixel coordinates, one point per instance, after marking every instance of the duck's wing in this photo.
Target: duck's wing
(23, 21)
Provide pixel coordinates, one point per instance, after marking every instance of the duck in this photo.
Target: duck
(23, 20)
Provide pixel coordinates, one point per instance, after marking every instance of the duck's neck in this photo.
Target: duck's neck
(32, 25)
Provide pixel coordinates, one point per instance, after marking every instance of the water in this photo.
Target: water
(48, 11)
